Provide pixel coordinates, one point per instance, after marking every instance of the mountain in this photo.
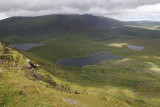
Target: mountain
(40, 28)
(52, 25)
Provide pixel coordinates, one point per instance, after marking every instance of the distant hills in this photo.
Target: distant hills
(44, 27)
(143, 23)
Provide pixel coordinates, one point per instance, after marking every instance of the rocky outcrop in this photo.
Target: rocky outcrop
(6, 49)
(38, 76)
(13, 61)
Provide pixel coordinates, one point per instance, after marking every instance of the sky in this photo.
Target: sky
(126, 10)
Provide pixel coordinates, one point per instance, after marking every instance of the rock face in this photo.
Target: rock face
(34, 65)
(72, 101)
(52, 83)
(38, 76)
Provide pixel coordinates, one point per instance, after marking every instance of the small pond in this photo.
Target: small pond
(90, 60)
(135, 47)
(27, 46)
(114, 27)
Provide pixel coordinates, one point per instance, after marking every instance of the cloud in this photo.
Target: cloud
(2, 16)
(146, 12)
(121, 9)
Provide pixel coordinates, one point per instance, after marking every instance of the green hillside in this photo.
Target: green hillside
(153, 25)
(143, 23)
(32, 78)
(40, 28)
(45, 27)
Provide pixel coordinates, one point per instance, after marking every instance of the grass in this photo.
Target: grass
(131, 81)
(131, 75)
(146, 27)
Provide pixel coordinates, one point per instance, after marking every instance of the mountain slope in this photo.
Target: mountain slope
(40, 28)
(131, 81)
(23, 83)
(143, 23)
(52, 25)
(152, 25)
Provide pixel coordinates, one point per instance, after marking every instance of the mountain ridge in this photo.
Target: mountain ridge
(20, 29)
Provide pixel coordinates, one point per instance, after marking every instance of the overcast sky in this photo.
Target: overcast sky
(118, 9)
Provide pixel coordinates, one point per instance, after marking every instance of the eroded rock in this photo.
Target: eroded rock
(72, 101)
(38, 76)
(52, 83)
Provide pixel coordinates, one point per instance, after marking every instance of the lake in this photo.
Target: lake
(27, 46)
(135, 47)
(93, 59)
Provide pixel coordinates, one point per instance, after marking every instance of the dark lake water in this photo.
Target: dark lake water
(135, 47)
(90, 60)
(27, 46)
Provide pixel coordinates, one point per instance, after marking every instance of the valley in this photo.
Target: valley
(129, 81)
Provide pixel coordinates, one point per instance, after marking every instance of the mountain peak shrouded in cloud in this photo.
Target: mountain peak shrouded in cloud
(119, 9)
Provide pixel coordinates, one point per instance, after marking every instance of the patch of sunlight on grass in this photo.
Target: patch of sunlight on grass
(125, 59)
(154, 67)
(119, 45)
(146, 57)
(116, 91)
(144, 27)
(156, 57)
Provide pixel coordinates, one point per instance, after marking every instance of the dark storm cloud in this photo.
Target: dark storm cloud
(112, 8)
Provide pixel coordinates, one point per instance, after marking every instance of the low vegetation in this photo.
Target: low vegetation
(33, 78)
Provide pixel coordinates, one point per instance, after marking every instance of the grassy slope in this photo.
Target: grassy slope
(14, 79)
(146, 27)
(132, 81)
(128, 82)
